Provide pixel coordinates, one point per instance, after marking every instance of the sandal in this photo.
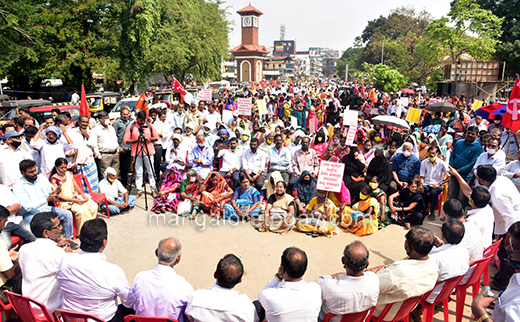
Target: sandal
(443, 218)
(431, 217)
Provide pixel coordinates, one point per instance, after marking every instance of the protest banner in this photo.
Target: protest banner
(226, 116)
(244, 106)
(403, 101)
(262, 107)
(204, 95)
(330, 176)
(414, 114)
(477, 104)
(350, 119)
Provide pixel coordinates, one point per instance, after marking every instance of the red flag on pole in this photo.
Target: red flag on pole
(263, 83)
(253, 87)
(355, 87)
(176, 86)
(363, 90)
(142, 105)
(511, 119)
(276, 82)
(83, 106)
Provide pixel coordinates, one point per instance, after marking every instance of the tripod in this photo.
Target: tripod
(140, 150)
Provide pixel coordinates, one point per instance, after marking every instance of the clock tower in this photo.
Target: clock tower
(249, 55)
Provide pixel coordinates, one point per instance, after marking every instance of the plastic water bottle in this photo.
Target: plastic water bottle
(487, 292)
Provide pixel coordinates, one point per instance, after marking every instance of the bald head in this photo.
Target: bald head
(294, 262)
(169, 250)
(355, 257)
(200, 139)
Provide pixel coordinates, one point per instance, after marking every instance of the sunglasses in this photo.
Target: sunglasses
(56, 227)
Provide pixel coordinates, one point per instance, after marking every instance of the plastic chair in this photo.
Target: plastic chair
(478, 266)
(96, 196)
(136, 318)
(442, 297)
(28, 309)
(404, 311)
(71, 316)
(16, 240)
(491, 250)
(350, 317)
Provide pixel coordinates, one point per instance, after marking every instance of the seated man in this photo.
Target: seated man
(304, 159)
(433, 170)
(410, 277)
(287, 297)
(405, 167)
(231, 162)
(220, 302)
(101, 282)
(16, 225)
(119, 202)
(10, 276)
(35, 192)
(355, 291)
(161, 291)
(200, 158)
(40, 260)
(451, 257)
(253, 164)
(493, 155)
(280, 158)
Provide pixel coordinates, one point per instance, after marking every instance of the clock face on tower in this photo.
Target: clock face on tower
(255, 22)
(246, 22)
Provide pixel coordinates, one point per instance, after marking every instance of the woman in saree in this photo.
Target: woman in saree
(385, 217)
(329, 154)
(190, 194)
(408, 211)
(342, 149)
(361, 215)
(303, 191)
(298, 112)
(445, 142)
(319, 144)
(170, 192)
(353, 174)
(245, 202)
(215, 194)
(312, 121)
(381, 168)
(321, 216)
(367, 152)
(270, 184)
(279, 214)
(72, 196)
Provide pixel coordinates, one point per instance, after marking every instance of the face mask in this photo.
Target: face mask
(321, 198)
(106, 122)
(193, 179)
(124, 118)
(320, 139)
(254, 150)
(60, 173)
(377, 139)
(16, 144)
(306, 181)
(245, 138)
(432, 159)
(431, 139)
(180, 112)
(373, 185)
(206, 132)
(201, 145)
(111, 180)
(362, 196)
(188, 132)
(233, 149)
(491, 151)
(407, 154)
(245, 187)
(269, 141)
(497, 122)
(193, 109)
(423, 145)
(335, 142)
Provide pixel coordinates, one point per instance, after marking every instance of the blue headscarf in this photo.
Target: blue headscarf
(305, 194)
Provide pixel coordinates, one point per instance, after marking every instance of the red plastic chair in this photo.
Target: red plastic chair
(491, 250)
(429, 308)
(439, 203)
(350, 317)
(404, 311)
(96, 196)
(16, 240)
(70, 316)
(136, 318)
(28, 309)
(479, 266)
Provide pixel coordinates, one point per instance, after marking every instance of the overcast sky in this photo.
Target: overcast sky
(321, 23)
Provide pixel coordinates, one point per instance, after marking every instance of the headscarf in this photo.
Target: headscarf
(380, 167)
(110, 170)
(353, 166)
(223, 131)
(277, 177)
(173, 177)
(305, 194)
(54, 129)
(221, 185)
(298, 133)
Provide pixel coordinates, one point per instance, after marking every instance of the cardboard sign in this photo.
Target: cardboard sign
(244, 106)
(350, 118)
(477, 104)
(330, 176)
(403, 101)
(414, 114)
(262, 107)
(226, 116)
(204, 95)
(312, 125)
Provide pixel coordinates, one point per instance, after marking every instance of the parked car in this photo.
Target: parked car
(39, 112)
(130, 102)
(9, 109)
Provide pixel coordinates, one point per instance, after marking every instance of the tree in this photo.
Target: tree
(349, 57)
(388, 79)
(468, 30)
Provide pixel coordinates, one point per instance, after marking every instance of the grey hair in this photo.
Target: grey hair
(169, 252)
(408, 144)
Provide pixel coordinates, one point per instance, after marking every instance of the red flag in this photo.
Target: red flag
(83, 106)
(271, 81)
(511, 119)
(318, 82)
(276, 82)
(363, 90)
(176, 86)
(355, 87)
(142, 105)
(253, 87)
(263, 83)
(292, 87)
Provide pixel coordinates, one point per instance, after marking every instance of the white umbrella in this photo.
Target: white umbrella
(391, 121)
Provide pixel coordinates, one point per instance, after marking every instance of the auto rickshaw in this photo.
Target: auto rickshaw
(104, 101)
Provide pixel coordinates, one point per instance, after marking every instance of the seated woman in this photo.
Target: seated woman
(321, 216)
(384, 219)
(381, 168)
(190, 194)
(170, 192)
(360, 217)
(278, 216)
(319, 144)
(353, 175)
(408, 211)
(72, 196)
(215, 194)
(342, 149)
(329, 154)
(303, 191)
(245, 202)
(270, 184)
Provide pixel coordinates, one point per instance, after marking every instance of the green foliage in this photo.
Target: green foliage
(388, 79)
(349, 57)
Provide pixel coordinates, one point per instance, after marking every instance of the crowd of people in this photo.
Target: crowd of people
(264, 168)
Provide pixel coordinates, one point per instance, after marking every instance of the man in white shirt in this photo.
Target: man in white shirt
(12, 153)
(119, 200)
(15, 225)
(451, 257)
(103, 140)
(231, 162)
(162, 292)
(161, 144)
(512, 171)
(176, 155)
(433, 170)
(493, 156)
(178, 117)
(505, 201)
(211, 117)
(85, 161)
(287, 297)
(74, 98)
(221, 302)
(253, 164)
(355, 291)
(409, 277)
(40, 260)
(10, 276)
(89, 283)
(51, 148)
